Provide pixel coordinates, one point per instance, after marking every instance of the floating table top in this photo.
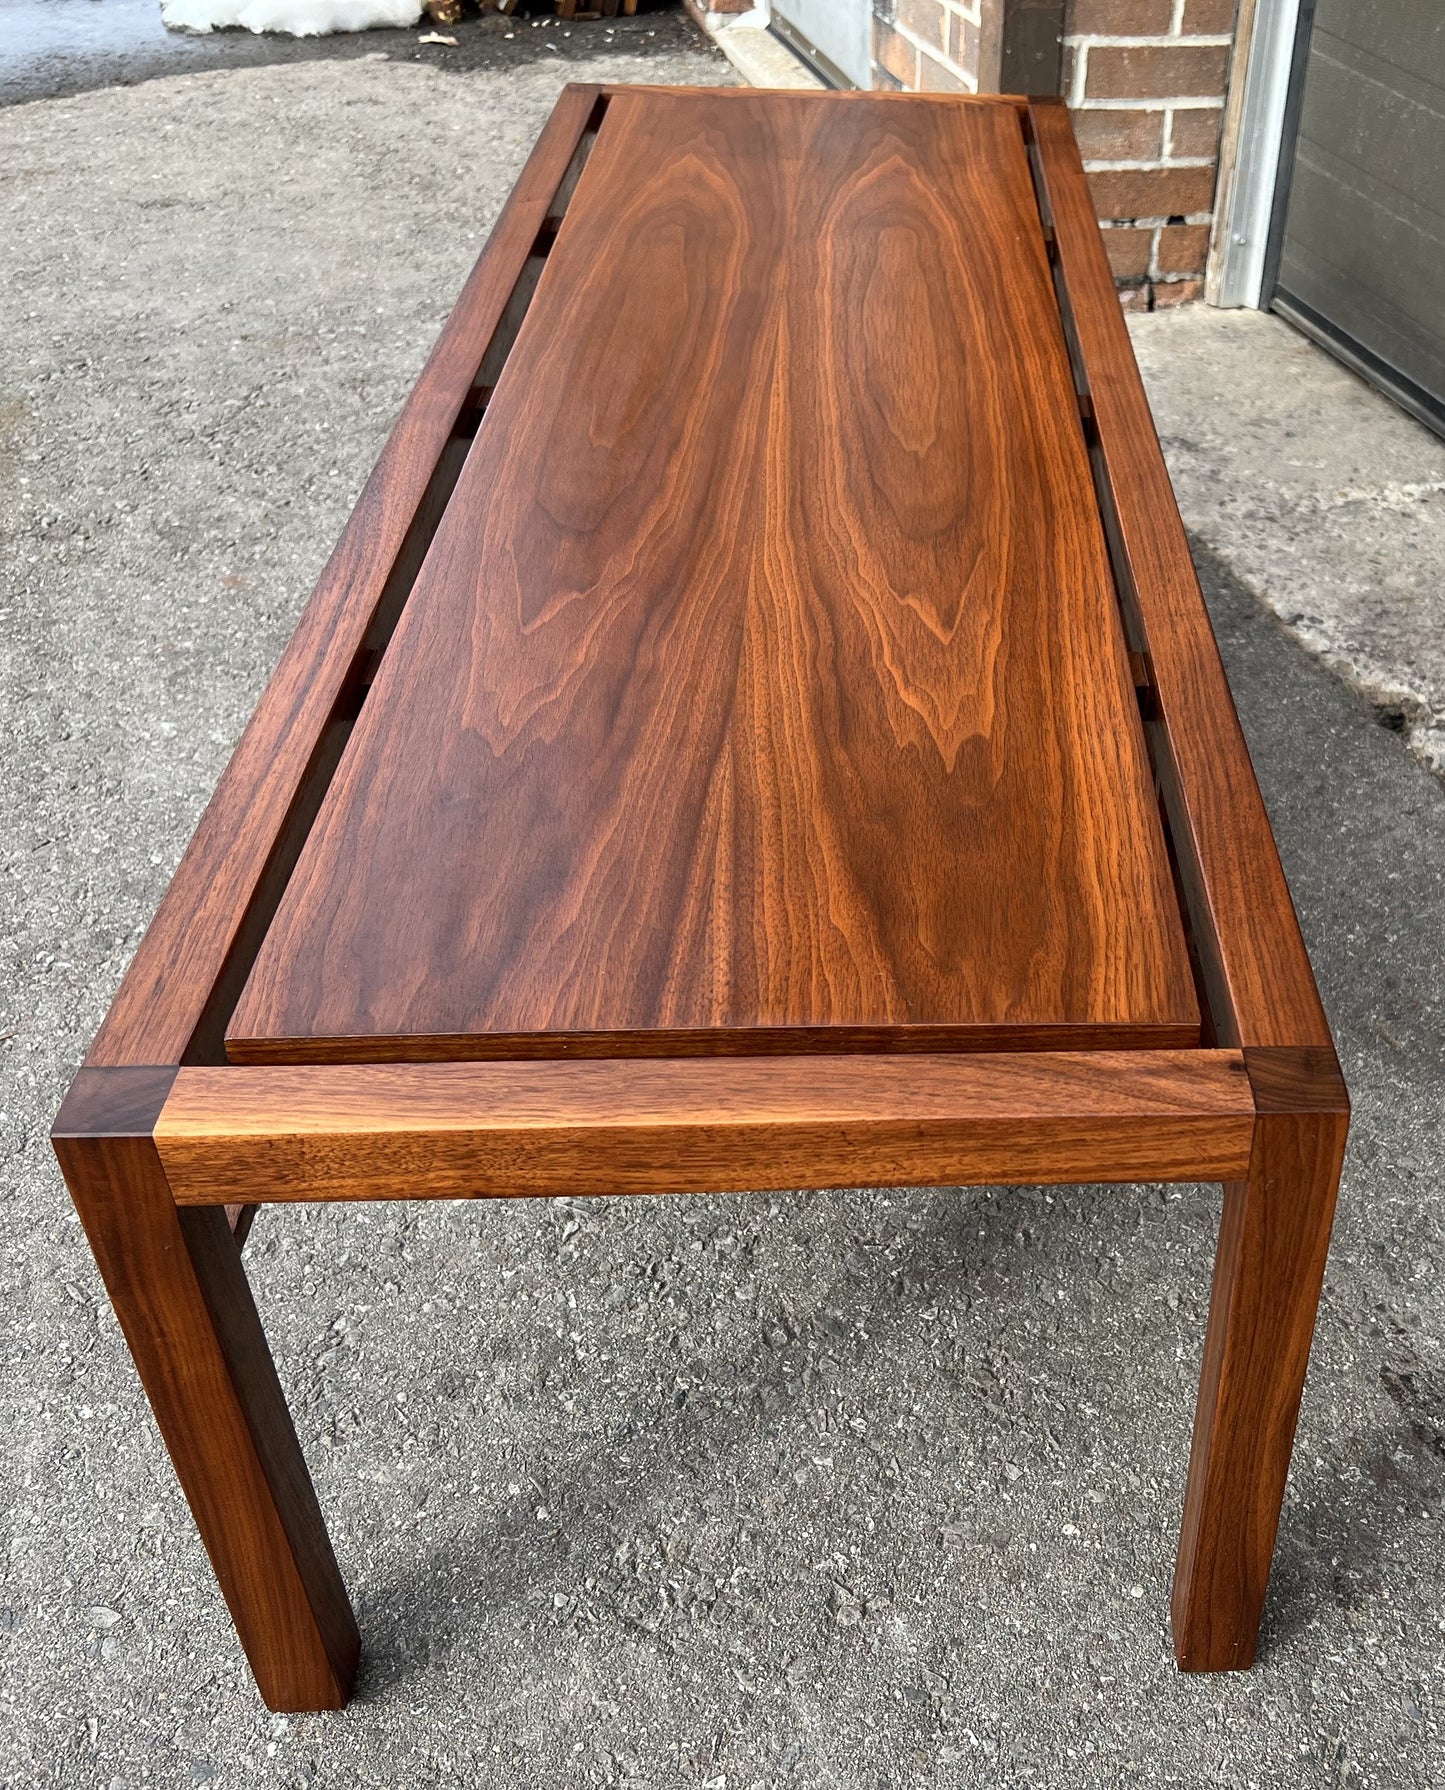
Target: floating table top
(764, 686)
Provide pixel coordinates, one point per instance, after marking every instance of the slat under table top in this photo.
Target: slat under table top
(764, 687)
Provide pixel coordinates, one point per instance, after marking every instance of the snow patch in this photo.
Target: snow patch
(297, 18)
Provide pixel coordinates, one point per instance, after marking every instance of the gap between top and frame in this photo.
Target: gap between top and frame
(220, 906)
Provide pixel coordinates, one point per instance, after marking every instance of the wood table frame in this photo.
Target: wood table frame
(161, 1141)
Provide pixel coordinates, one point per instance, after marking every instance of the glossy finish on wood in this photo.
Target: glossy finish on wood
(176, 1284)
(469, 1130)
(1276, 1227)
(175, 1278)
(768, 651)
(1270, 1266)
(922, 804)
(1262, 990)
(199, 945)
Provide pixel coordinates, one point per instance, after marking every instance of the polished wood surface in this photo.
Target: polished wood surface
(507, 1130)
(1261, 990)
(175, 1277)
(764, 687)
(176, 1283)
(768, 646)
(1261, 987)
(1269, 1269)
(183, 981)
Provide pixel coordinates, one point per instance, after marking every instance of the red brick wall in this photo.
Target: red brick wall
(928, 46)
(1145, 81)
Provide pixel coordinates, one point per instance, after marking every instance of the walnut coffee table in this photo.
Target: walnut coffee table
(759, 729)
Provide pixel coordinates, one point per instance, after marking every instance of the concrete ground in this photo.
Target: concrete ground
(856, 1489)
(53, 48)
(1328, 502)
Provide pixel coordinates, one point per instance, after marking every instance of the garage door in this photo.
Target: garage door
(1361, 259)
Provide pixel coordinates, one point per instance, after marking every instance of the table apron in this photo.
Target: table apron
(488, 1130)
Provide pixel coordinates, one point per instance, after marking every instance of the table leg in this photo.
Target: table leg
(176, 1282)
(1267, 1278)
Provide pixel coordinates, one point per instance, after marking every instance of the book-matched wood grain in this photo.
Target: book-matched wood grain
(465, 1130)
(1262, 990)
(176, 1283)
(762, 689)
(764, 684)
(204, 930)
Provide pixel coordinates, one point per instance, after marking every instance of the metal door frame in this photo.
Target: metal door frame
(1267, 43)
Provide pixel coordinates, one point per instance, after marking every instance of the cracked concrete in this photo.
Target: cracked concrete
(1322, 495)
(859, 1489)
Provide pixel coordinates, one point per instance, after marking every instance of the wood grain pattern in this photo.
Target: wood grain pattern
(1276, 1226)
(176, 1283)
(469, 1130)
(764, 684)
(762, 690)
(1262, 990)
(200, 932)
(1270, 1266)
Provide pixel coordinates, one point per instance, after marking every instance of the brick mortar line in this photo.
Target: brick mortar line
(931, 51)
(1089, 40)
(1154, 166)
(1156, 223)
(1187, 103)
(935, 55)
